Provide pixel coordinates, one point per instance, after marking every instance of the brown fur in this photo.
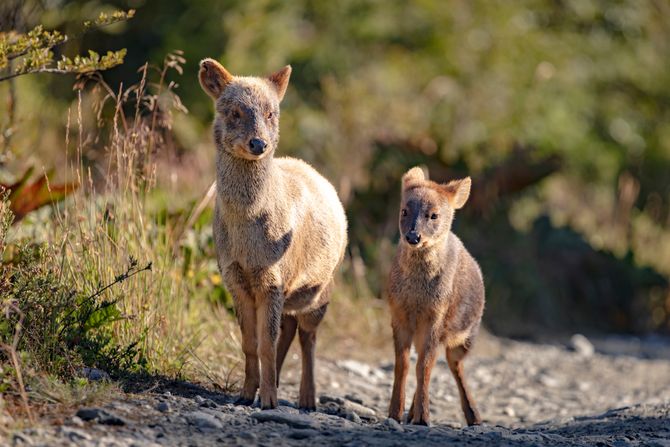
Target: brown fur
(279, 227)
(435, 291)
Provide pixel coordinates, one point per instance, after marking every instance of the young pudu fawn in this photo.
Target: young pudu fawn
(435, 292)
(279, 228)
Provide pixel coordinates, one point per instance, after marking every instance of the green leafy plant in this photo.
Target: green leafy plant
(22, 54)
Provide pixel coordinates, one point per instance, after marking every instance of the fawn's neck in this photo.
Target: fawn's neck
(244, 184)
(429, 260)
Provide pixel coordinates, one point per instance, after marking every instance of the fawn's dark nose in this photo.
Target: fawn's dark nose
(257, 146)
(413, 237)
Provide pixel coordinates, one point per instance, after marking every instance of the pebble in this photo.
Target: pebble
(392, 424)
(163, 407)
(204, 420)
(94, 374)
(99, 415)
(75, 434)
(302, 433)
(353, 417)
(581, 345)
(282, 417)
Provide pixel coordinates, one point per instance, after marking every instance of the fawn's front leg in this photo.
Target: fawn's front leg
(427, 342)
(268, 316)
(402, 340)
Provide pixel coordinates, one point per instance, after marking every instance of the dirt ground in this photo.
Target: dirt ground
(528, 394)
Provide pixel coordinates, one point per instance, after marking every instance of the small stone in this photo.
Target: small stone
(548, 381)
(302, 433)
(208, 403)
(248, 436)
(282, 417)
(203, 420)
(21, 439)
(392, 425)
(163, 407)
(101, 416)
(354, 398)
(581, 345)
(76, 421)
(353, 417)
(509, 411)
(199, 399)
(75, 434)
(94, 374)
(325, 398)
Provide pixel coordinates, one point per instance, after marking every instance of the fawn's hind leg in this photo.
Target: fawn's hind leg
(288, 327)
(307, 326)
(455, 359)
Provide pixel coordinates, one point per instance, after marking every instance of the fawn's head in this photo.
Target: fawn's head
(427, 208)
(247, 109)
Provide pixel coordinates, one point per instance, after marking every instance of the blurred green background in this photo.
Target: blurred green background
(558, 109)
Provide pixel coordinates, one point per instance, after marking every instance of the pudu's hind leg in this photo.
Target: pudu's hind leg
(307, 326)
(289, 325)
(455, 359)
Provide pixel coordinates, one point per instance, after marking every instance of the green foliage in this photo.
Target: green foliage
(59, 329)
(33, 51)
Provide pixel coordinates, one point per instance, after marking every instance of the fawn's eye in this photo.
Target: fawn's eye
(403, 213)
(427, 215)
(270, 115)
(235, 114)
(433, 216)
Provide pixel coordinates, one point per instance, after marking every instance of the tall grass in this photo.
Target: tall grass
(165, 312)
(113, 247)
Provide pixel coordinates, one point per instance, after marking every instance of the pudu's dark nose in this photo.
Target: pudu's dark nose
(413, 237)
(257, 146)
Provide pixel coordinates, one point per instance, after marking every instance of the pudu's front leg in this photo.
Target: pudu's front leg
(269, 306)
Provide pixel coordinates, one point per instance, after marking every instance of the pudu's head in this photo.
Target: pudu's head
(427, 208)
(247, 109)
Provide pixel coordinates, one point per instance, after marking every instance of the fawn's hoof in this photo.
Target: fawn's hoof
(420, 421)
(307, 407)
(244, 401)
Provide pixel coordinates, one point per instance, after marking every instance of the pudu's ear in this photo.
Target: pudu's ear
(416, 174)
(279, 80)
(213, 77)
(457, 192)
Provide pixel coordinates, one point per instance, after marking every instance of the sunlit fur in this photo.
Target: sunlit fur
(279, 227)
(435, 292)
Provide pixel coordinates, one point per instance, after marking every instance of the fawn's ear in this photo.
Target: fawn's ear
(457, 192)
(279, 80)
(213, 77)
(416, 174)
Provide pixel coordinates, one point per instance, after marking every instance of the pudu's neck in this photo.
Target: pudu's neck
(244, 184)
(429, 259)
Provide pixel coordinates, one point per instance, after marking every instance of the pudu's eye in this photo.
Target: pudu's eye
(270, 115)
(235, 114)
(433, 216)
(403, 213)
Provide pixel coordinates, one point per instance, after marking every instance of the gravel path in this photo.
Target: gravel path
(528, 394)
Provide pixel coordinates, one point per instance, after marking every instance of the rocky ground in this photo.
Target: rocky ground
(528, 394)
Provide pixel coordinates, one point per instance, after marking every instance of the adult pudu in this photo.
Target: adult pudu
(435, 292)
(279, 228)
